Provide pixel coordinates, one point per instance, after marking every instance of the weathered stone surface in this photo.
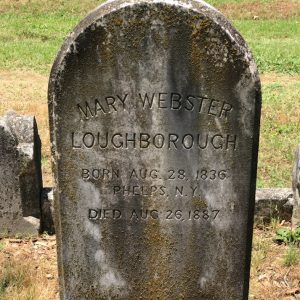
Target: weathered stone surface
(20, 176)
(154, 111)
(47, 211)
(296, 189)
(273, 203)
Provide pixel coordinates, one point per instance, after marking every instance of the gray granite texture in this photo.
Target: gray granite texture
(20, 176)
(154, 114)
(296, 188)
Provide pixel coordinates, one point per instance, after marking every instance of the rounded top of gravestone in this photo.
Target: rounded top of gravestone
(201, 16)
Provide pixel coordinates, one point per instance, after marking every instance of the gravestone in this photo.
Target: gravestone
(20, 175)
(154, 111)
(273, 203)
(296, 189)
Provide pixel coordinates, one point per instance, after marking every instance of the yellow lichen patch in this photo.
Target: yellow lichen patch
(199, 203)
(158, 272)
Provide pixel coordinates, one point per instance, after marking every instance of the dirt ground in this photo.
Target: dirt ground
(29, 269)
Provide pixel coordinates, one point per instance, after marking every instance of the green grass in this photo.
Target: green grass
(280, 130)
(2, 246)
(10, 277)
(275, 44)
(30, 41)
(291, 257)
(32, 33)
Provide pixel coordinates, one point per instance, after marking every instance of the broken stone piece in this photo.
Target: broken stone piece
(20, 175)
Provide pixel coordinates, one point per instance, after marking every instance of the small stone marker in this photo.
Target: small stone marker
(20, 175)
(154, 112)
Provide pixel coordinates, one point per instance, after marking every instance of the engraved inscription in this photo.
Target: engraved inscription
(139, 190)
(171, 174)
(177, 101)
(171, 141)
(106, 105)
(173, 101)
(96, 214)
(100, 174)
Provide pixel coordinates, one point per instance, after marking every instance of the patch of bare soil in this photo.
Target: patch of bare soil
(278, 9)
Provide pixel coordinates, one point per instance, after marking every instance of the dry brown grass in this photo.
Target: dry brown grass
(270, 278)
(45, 6)
(28, 269)
(279, 9)
(284, 79)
